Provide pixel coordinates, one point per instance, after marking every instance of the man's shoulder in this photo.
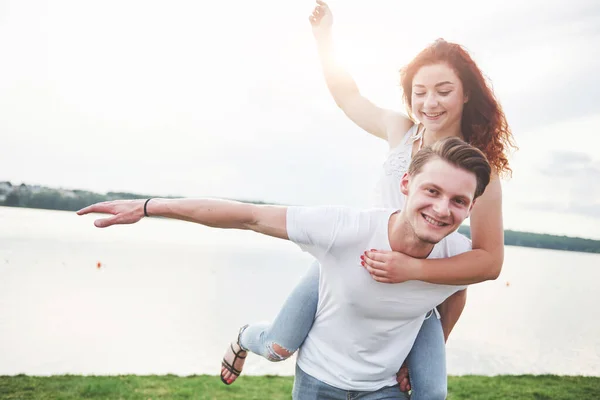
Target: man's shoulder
(320, 229)
(453, 244)
(345, 211)
(336, 217)
(374, 216)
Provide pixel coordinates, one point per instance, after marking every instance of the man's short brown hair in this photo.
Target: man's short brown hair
(458, 153)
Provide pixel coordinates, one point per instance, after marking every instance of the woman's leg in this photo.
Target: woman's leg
(280, 339)
(427, 362)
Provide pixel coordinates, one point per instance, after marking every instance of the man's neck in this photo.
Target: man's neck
(403, 239)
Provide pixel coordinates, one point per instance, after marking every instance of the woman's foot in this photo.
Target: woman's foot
(233, 361)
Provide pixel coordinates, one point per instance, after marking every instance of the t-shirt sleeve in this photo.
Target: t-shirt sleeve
(316, 229)
(458, 244)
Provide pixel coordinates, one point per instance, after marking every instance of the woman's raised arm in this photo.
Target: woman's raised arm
(377, 121)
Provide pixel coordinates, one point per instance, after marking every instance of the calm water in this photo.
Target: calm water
(170, 295)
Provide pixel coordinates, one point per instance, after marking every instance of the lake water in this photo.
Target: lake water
(168, 297)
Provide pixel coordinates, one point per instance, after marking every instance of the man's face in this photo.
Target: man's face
(439, 198)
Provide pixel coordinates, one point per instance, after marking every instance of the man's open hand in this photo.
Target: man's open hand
(123, 212)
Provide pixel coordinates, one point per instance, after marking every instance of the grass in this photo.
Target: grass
(134, 387)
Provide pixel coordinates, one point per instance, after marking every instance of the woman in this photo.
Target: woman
(445, 90)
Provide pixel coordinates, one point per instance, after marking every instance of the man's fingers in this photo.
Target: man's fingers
(87, 210)
(404, 385)
(321, 3)
(403, 379)
(106, 222)
(103, 207)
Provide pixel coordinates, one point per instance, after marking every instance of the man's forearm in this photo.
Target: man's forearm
(268, 220)
(451, 310)
(225, 214)
(210, 212)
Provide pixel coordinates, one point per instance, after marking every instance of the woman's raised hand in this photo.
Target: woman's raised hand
(321, 19)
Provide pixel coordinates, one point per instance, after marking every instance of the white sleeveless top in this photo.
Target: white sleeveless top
(387, 192)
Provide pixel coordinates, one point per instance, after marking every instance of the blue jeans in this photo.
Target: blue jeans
(291, 326)
(426, 361)
(308, 388)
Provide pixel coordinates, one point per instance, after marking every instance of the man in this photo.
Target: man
(363, 329)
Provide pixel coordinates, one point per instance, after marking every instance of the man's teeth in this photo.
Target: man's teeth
(433, 221)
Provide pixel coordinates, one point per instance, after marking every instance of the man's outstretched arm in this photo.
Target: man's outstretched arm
(265, 219)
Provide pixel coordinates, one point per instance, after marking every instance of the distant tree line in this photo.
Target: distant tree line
(52, 199)
(73, 200)
(61, 199)
(544, 241)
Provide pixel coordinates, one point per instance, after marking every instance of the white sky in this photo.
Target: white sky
(227, 99)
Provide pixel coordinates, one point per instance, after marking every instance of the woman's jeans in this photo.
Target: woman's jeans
(426, 361)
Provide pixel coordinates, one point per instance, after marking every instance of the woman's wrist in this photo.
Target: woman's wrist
(324, 40)
(416, 266)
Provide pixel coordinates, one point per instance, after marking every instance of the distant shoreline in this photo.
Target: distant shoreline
(47, 198)
(544, 241)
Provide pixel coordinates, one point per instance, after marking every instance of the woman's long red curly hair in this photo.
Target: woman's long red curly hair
(483, 122)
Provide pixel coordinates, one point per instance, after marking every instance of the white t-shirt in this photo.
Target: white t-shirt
(363, 329)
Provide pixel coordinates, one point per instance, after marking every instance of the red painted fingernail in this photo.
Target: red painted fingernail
(362, 263)
(372, 249)
(362, 257)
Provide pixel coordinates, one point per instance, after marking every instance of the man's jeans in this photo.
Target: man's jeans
(308, 388)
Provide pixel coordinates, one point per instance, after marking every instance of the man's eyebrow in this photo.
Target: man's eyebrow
(439, 189)
(433, 185)
(463, 198)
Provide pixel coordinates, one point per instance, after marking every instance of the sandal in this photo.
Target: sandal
(236, 355)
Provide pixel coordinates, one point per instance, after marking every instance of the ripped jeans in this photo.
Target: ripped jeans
(289, 329)
(280, 339)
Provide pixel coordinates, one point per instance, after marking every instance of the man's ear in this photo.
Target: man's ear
(471, 209)
(404, 183)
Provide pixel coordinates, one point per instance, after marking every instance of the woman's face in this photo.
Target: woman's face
(438, 98)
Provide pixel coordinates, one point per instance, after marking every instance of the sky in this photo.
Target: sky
(227, 99)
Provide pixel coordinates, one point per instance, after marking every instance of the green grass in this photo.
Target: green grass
(534, 387)
(133, 387)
